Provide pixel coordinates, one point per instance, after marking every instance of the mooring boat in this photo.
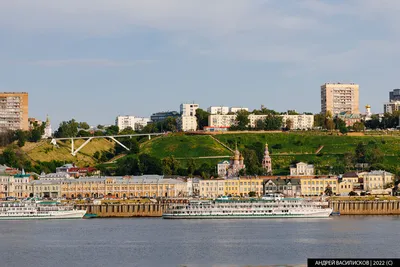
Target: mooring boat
(28, 210)
(249, 209)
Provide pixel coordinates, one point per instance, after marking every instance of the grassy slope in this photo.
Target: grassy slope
(184, 146)
(302, 147)
(44, 151)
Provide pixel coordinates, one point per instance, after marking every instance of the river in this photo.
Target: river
(195, 243)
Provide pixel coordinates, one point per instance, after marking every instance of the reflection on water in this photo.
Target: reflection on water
(195, 243)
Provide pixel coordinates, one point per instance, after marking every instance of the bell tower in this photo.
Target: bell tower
(267, 163)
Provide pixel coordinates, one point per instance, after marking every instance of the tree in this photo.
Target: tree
(289, 124)
(83, 133)
(273, 122)
(21, 137)
(242, 120)
(319, 120)
(360, 152)
(352, 194)
(374, 156)
(84, 125)
(252, 162)
(329, 124)
(67, 129)
(252, 194)
(202, 118)
(358, 126)
(260, 125)
(339, 123)
(112, 130)
(343, 130)
(35, 135)
(149, 164)
(170, 165)
(328, 190)
(191, 167)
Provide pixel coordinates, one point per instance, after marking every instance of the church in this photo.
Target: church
(231, 168)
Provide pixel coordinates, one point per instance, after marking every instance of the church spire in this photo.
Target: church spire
(267, 162)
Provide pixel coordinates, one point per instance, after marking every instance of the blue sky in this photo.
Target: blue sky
(93, 60)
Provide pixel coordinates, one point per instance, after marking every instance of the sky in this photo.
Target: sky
(93, 60)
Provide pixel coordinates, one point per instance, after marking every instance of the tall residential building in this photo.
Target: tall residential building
(340, 97)
(236, 109)
(135, 123)
(218, 110)
(394, 95)
(14, 111)
(188, 121)
(391, 107)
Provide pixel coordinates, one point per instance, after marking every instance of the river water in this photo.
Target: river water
(195, 243)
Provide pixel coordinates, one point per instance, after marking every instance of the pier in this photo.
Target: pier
(379, 207)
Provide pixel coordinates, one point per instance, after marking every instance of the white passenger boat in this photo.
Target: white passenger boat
(28, 210)
(269, 207)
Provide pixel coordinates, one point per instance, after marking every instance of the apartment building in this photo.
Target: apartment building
(236, 109)
(14, 111)
(391, 107)
(340, 97)
(212, 188)
(299, 122)
(187, 121)
(161, 116)
(394, 95)
(376, 179)
(218, 110)
(135, 123)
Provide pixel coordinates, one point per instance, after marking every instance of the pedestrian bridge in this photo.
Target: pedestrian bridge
(89, 138)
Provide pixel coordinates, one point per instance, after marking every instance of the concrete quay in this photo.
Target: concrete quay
(368, 207)
(110, 210)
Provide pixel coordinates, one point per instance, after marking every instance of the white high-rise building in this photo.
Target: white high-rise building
(135, 123)
(188, 121)
(236, 109)
(218, 110)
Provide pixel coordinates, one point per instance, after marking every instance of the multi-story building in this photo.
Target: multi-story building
(376, 179)
(340, 97)
(345, 187)
(14, 111)
(212, 188)
(236, 109)
(394, 95)
(188, 121)
(5, 185)
(250, 184)
(20, 185)
(161, 116)
(231, 187)
(301, 169)
(218, 110)
(135, 123)
(391, 107)
(287, 187)
(124, 187)
(299, 122)
(45, 188)
(317, 186)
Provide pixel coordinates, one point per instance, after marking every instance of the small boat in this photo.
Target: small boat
(335, 213)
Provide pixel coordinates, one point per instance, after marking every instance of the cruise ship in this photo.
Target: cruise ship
(31, 210)
(270, 206)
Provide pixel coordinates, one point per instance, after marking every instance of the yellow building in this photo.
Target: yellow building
(317, 186)
(340, 97)
(345, 187)
(123, 187)
(212, 188)
(232, 187)
(247, 185)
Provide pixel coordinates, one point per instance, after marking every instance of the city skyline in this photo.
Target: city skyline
(236, 53)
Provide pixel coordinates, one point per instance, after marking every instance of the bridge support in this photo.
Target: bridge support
(118, 142)
(79, 148)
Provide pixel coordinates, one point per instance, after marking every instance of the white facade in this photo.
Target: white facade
(55, 176)
(47, 130)
(223, 167)
(187, 123)
(236, 109)
(135, 123)
(189, 109)
(391, 107)
(376, 179)
(218, 110)
(302, 169)
(299, 122)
